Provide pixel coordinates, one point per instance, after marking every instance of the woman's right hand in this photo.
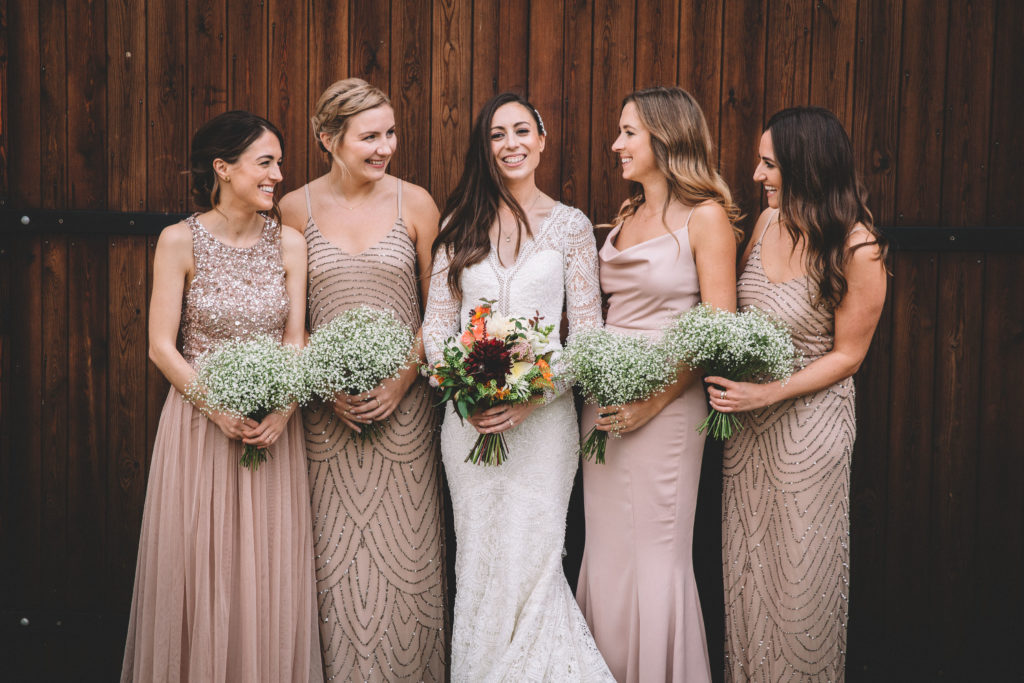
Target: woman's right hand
(233, 427)
(343, 411)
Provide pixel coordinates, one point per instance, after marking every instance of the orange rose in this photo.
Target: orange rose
(545, 369)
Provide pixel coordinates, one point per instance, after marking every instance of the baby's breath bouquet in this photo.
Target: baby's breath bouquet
(749, 346)
(497, 359)
(355, 352)
(612, 368)
(250, 378)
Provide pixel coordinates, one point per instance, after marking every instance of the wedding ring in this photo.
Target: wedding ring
(509, 423)
(723, 393)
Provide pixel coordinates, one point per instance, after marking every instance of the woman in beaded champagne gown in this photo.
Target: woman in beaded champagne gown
(224, 584)
(377, 510)
(673, 246)
(786, 474)
(515, 616)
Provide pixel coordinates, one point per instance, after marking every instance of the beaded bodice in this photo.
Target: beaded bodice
(235, 293)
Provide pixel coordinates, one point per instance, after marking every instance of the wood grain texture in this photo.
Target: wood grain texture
(410, 90)
(546, 85)
(700, 59)
(451, 114)
(788, 48)
(248, 53)
(207, 61)
(287, 92)
(126, 124)
(577, 83)
(1006, 173)
(327, 56)
(832, 57)
(657, 45)
(370, 39)
(53, 101)
(168, 133)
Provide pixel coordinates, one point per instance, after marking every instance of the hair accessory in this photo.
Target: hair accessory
(540, 121)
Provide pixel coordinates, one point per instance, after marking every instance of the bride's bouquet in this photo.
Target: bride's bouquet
(355, 352)
(497, 359)
(611, 368)
(250, 378)
(749, 346)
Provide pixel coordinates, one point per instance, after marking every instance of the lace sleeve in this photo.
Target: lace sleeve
(441, 319)
(582, 288)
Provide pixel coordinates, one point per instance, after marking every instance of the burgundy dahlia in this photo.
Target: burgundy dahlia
(489, 360)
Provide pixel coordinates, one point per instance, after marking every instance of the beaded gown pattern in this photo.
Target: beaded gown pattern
(785, 506)
(515, 615)
(224, 584)
(377, 512)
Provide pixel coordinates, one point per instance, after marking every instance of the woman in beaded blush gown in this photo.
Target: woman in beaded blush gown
(672, 247)
(504, 240)
(815, 261)
(224, 584)
(377, 510)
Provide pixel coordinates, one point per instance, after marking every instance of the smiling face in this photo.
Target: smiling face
(636, 155)
(767, 172)
(515, 142)
(368, 143)
(253, 177)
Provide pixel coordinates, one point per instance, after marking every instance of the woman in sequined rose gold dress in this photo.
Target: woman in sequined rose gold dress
(816, 262)
(224, 584)
(377, 510)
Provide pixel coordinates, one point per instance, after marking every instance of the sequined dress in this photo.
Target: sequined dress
(377, 511)
(515, 615)
(785, 506)
(224, 585)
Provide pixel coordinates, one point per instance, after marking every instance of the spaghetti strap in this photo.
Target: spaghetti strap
(399, 201)
(761, 237)
(687, 223)
(309, 205)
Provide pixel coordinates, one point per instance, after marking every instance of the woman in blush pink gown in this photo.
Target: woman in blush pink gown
(673, 246)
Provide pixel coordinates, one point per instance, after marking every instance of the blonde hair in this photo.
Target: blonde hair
(339, 103)
(682, 149)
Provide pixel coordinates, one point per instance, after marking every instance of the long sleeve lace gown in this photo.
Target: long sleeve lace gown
(515, 616)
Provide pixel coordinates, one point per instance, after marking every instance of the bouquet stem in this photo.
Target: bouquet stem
(720, 426)
(253, 457)
(489, 449)
(370, 431)
(594, 445)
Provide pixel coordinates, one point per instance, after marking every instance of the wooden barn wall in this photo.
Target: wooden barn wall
(98, 100)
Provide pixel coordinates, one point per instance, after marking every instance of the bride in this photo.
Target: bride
(505, 240)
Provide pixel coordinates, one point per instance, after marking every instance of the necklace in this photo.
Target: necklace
(337, 196)
(508, 237)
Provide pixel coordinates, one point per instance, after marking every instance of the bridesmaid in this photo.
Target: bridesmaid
(672, 247)
(376, 504)
(224, 585)
(816, 261)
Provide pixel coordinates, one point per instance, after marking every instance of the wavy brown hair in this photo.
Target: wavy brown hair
(821, 198)
(472, 206)
(683, 150)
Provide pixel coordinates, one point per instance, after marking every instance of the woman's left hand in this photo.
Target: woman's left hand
(377, 404)
(501, 417)
(628, 417)
(727, 396)
(267, 432)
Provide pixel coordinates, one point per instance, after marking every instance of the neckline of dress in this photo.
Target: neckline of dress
(355, 254)
(610, 240)
(492, 255)
(266, 222)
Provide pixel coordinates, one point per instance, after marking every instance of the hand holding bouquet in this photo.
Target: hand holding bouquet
(355, 352)
(612, 368)
(747, 346)
(250, 378)
(497, 359)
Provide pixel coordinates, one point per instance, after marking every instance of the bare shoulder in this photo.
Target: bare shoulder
(861, 244)
(293, 209)
(175, 238)
(291, 237)
(418, 201)
(709, 221)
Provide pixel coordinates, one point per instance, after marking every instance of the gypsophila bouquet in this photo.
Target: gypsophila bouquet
(611, 368)
(749, 346)
(355, 352)
(497, 359)
(250, 378)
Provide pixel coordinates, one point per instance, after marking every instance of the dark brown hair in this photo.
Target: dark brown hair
(225, 136)
(821, 198)
(473, 204)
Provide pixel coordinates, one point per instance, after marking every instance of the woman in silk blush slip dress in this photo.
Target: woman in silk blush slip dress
(377, 512)
(673, 246)
(224, 583)
(504, 240)
(815, 261)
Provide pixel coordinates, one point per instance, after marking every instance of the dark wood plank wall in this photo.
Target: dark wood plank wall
(98, 100)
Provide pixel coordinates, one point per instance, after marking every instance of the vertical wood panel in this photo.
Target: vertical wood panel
(126, 111)
(968, 105)
(700, 58)
(485, 64)
(451, 75)
(919, 163)
(832, 55)
(166, 105)
(577, 79)
(207, 61)
(788, 55)
(23, 87)
(328, 62)
(87, 100)
(410, 90)
(289, 83)
(613, 70)
(370, 31)
(514, 44)
(247, 54)
(657, 45)
(53, 121)
(547, 56)
(1006, 177)
(910, 466)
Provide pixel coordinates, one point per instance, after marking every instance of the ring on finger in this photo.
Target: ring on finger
(722, 396)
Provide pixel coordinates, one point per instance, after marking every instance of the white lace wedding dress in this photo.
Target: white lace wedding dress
(515, 616)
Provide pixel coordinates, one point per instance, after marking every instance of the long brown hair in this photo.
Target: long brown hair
(821, 198)
(682, 149)
(472, 206)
